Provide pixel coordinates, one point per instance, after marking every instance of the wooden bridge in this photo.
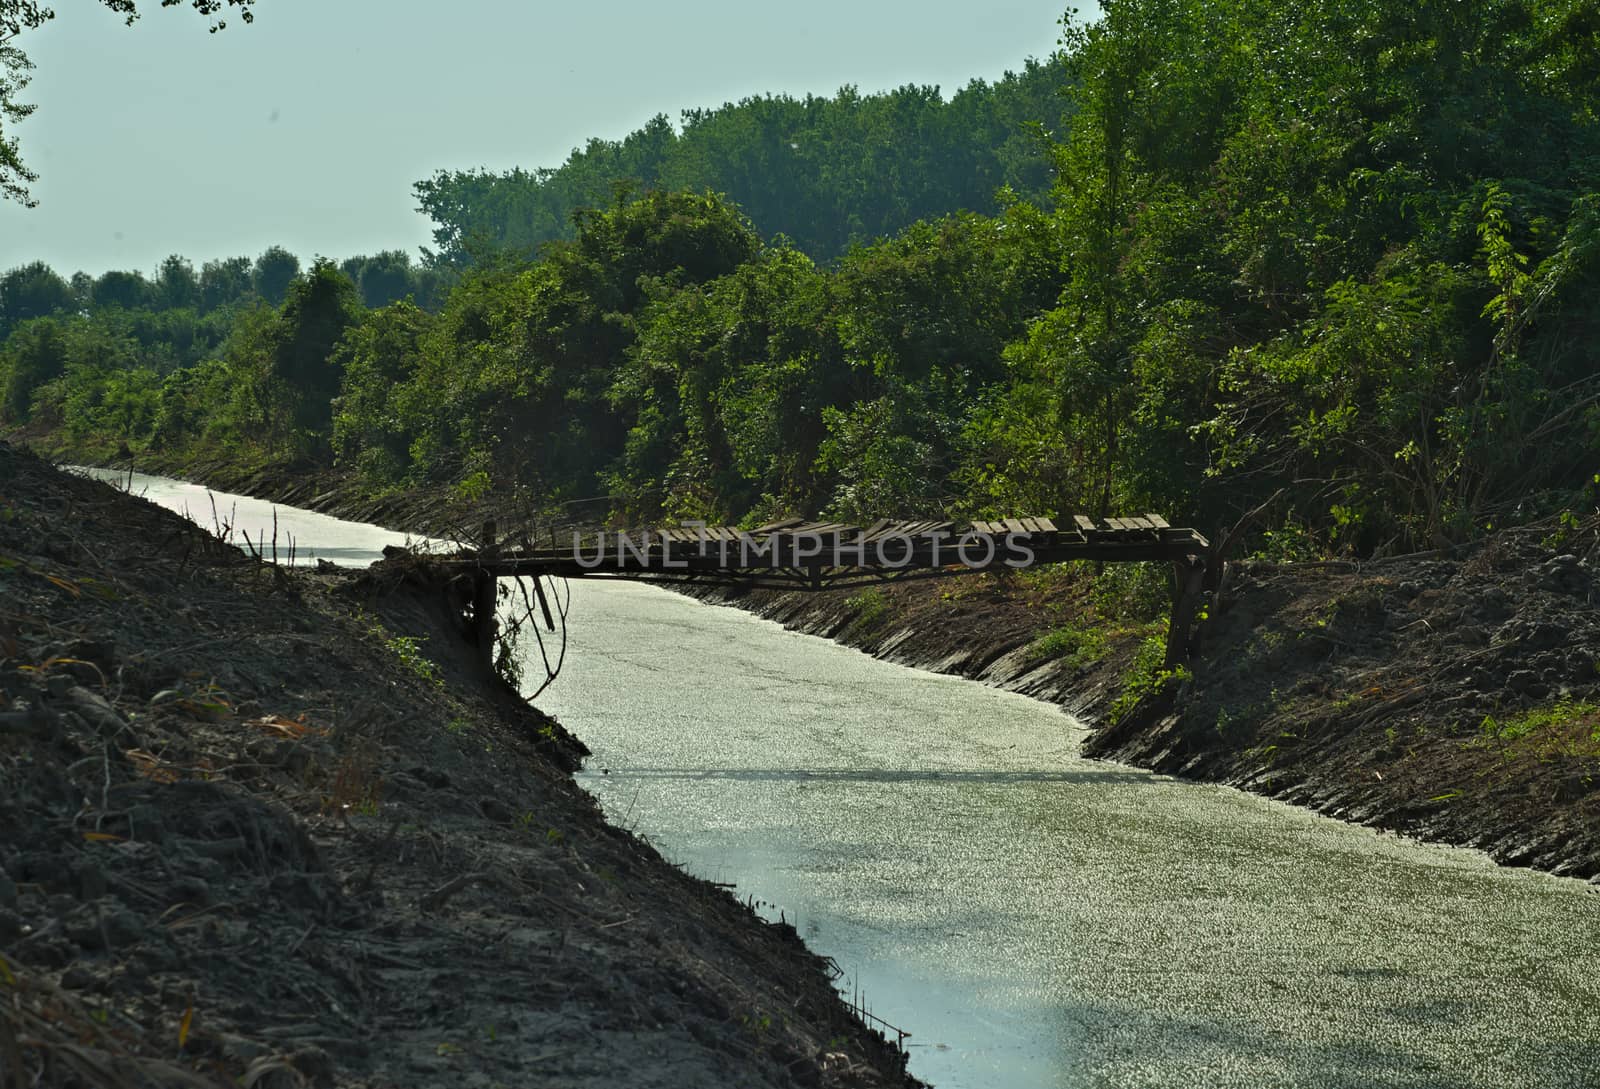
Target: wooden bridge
(799, 555)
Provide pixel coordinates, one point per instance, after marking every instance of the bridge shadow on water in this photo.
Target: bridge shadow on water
(882, 775)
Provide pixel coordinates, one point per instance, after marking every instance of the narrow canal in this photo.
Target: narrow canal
(1039, 920)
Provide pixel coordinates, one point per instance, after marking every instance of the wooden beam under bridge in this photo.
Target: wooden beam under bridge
(812, 556)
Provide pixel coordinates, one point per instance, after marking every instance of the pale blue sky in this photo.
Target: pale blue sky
(308, 128)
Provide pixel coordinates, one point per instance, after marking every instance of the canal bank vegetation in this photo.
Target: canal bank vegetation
(1334, 265)
(1363, 274)
(284, 828)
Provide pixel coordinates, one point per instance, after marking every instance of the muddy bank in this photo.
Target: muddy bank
(281, 829)
(1453, 697)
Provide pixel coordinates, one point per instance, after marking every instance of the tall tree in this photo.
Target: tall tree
(274, 271)
(121, 288)
(32, 291)
(382, 278)
(825, 172)
(224, 281)
(32, 355)
(320, 307)
(177, 286)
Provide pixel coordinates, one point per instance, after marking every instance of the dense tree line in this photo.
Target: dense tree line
(824, 172)
(1345, 252)
(163, 358)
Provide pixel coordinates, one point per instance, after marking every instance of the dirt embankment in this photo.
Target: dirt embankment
(282, 829)
(1455, 697)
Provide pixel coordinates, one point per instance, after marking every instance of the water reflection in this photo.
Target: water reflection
(284, 534)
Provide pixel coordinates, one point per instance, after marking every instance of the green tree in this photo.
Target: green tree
(274, 271)
(33, 290)
(224, 281)
(379, 357)
(121, 288)
(382, 278)
(35, 353)
(824, 172)
(320, 307)
(176, 284)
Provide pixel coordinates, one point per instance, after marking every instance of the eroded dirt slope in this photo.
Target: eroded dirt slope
(1453, 696)
(281, 829)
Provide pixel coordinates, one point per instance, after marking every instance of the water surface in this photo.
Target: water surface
(1032, 918)
(272, 528)
(1037, 919)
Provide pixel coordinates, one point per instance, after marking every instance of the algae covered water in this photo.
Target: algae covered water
(1037, 919)
(1032, 918)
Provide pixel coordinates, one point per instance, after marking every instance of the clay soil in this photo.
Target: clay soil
(1450, 696)
(273, 829)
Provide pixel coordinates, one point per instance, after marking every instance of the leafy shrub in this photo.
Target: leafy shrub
(1080, 647)
(1146, 676)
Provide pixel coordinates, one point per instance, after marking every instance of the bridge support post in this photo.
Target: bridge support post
(483, 598)
(1189, 582)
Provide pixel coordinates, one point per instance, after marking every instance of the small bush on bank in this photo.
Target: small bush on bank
(1080, 647)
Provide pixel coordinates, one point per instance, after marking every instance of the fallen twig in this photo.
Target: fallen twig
(438, 897)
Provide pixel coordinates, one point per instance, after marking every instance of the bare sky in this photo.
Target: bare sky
(308, 128)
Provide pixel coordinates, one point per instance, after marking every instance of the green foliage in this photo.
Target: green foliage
(871, 609)
(274, 271)
(1366, 276)
(377, 357)
(32, 291)
(1560, 716)
(408, 650)
(34, 354)
(474, 486)
(224, 281)
(826, 173)
(1133, 592)
(518, 376)
(1081, 647)
(1145, 678)
(1565, 732)
(317, 311)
